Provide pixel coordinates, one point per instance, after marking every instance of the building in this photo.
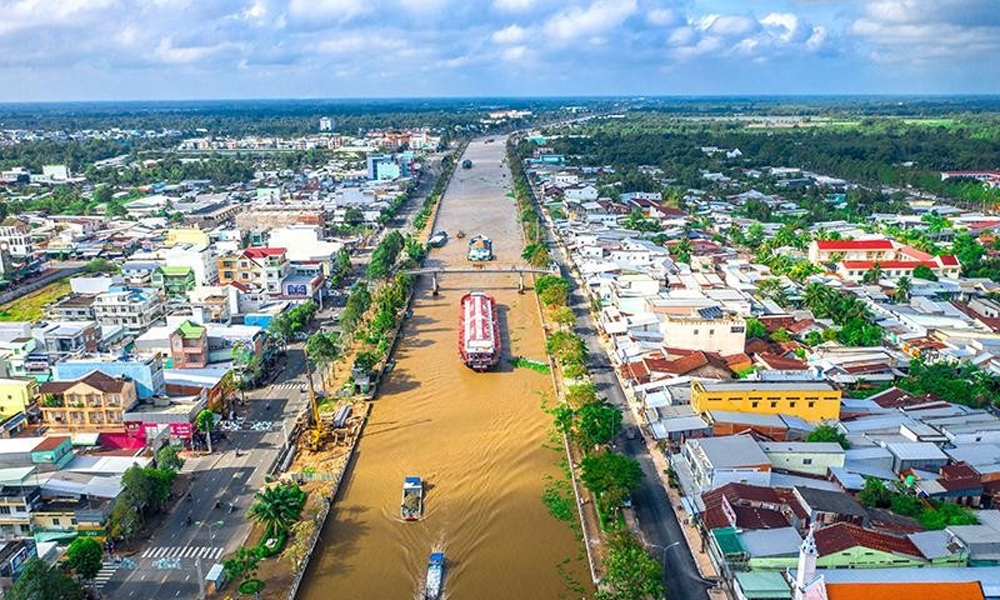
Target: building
(187, 235)
(944, 266)
(262, 268)
(18, 395)
(382, 167)
(135, 309)
(811, 458)
(825, 251)
(62, 338)
(708, 329)
(174, 282)
(15, 238)
(809, 400)
(145, 372)
(325, 124)
(95, 402)
(189, 346)
(714, 462)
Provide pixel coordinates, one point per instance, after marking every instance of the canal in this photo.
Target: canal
(481, 441)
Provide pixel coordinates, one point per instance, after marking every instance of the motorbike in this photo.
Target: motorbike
(232, 507)
(218, 504)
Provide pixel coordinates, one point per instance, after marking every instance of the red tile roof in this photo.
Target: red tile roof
(845, 245)
(844, 536)
(781, 363)
(263, 252)
(50, 443)
(96, 379)
(889, 264)
(755, 507)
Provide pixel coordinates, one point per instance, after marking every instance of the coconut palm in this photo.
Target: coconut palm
(903, 288)
(277, 507)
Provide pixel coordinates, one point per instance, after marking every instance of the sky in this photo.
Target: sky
(58, 50)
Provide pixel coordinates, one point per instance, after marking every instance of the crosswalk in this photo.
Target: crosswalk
(287, 385)
(105, 574)
(209, 552)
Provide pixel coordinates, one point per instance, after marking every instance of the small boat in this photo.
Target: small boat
(435, 576)
(411, 507)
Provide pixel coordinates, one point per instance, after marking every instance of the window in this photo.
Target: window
(4, 510)
(55, 521)
(736, 329)
(812, 405)
(791, 404)
(807, 461)
(754, 404)
(711, 332)
(774, 405)
(696, 332)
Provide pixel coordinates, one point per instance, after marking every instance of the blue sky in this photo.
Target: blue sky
(193, 49)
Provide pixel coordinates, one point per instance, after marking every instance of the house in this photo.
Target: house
(922, 456)
(713, 462)
(810, 400)
(824, 507)
(94, 402)
(813, 458)
(174, 282)
(135, 309)
(146, 372)
(844, 545)
(708, 329)
(825, 251)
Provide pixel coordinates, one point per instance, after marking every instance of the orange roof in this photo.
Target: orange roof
(966, 590)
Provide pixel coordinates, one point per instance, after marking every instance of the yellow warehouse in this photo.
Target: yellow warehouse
(809, 400)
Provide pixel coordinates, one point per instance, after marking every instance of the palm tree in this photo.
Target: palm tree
(277, 507)
(903, 288)
(816, 296)
(872, 275)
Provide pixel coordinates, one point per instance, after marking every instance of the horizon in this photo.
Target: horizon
(179, 50)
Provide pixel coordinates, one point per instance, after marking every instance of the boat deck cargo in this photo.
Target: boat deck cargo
(479, 331)
(412, 505)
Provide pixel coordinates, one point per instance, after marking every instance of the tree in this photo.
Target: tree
(874, 494)
(781, 335)
(161, 481)
(563, 416)
(277, 507)
(630, 573)
(564, 317)
(537, 255)
(873, 275)
(39, 581)
(903, 287)
(580, 394)
(301, 535)
(597, 423)
(205, 422)
(552, 290)
(681, 251)
(168, 458)
(86, 557)
(828, 433)
(924, 272)
(323, 349)
(125, 518)
(242, 566)
(610, 476)
(756, 329)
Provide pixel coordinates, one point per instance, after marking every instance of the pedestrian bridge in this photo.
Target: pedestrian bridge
(485, 267)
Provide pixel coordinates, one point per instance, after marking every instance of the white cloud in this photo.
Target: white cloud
(577, 23)
(513, 5)
(340, 11)
(662, 17)
(515, 53)
(513, 34)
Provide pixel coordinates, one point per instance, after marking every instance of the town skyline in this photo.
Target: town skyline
(278, 49)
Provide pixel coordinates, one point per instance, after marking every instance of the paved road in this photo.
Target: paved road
(221, 476)
(225, 477)
(657, 521)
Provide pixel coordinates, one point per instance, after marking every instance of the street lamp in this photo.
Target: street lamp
(210, 525)
(664, 549)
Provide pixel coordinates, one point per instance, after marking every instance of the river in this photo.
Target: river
(479, 440)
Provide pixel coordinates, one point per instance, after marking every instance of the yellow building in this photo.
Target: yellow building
(809, 400)
(16, 395)
(187, 235)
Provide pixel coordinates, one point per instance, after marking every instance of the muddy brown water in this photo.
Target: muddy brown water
(477, 439)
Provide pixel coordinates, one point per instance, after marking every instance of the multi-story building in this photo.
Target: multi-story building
(14, 355)
(810, 400)
(95, 402)
(714, 462)
(145, 371)
(19, 496)
(174, 282)
(382, 167)
(189, 346)
(61, 338)
(133, 308)
(15, 238)
(261, 268)
(75, 307)
(824, 251)
(17, 395)
(708, 329)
